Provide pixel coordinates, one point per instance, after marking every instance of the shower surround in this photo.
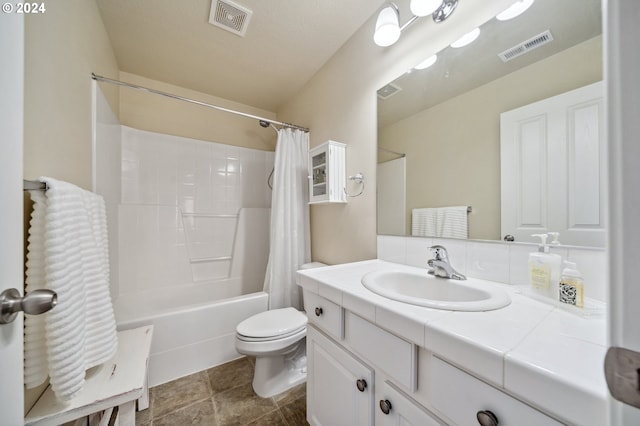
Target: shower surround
(189, 239)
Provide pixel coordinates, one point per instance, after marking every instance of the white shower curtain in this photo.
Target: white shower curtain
(290, 244)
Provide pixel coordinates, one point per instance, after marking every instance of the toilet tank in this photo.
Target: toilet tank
(312, 265)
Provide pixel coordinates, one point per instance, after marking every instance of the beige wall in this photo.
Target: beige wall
(339, 103)
(156, 113)
(457, 143)
(63, 46)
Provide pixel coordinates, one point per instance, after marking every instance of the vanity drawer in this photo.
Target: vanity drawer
(325, 314)
(460, 397)
(395, 356)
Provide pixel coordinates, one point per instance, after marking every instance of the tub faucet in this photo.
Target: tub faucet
(440, 266)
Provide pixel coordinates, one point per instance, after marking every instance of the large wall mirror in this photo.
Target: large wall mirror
(440, 141)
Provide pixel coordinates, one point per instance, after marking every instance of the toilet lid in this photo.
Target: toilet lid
(273, 323)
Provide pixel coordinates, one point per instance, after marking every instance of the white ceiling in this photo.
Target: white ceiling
(286, 43)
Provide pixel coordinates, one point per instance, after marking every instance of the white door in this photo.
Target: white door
(11, 260)
(552, 155)
(339, 387)
(623, 108)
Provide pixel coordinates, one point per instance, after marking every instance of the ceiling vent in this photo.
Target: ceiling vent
(230, 16)
(526, 46)
(388, 91)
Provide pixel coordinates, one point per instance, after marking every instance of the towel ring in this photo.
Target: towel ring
(359, 179)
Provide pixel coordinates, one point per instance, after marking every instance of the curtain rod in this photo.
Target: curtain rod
(181, 98)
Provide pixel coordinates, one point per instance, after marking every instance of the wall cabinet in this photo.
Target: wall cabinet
(327, 175)
(360, 374)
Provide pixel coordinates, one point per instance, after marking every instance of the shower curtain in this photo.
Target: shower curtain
(290, 243)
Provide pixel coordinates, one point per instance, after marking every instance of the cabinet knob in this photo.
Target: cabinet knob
(318, 311)
(509, 238)
(361, 384)
(385, 406)
(486, 418)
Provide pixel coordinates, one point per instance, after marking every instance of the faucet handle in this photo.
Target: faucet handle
(440, 253)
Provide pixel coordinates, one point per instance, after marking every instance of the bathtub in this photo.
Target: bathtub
(194, 325)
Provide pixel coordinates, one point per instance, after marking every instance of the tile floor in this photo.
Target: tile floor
(222, 396)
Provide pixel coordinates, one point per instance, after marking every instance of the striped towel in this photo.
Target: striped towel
(424, 222)
(443, 222)
(68, 253)
(452, 222)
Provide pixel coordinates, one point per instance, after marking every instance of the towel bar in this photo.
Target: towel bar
(33, 185)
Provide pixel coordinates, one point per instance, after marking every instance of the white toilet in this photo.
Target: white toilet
(277, 339)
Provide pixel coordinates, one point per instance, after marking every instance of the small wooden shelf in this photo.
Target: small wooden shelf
(118, 382)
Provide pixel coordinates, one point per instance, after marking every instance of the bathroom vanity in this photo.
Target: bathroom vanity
(373, 360)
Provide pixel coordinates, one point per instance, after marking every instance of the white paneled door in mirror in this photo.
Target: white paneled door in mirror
(552, 161)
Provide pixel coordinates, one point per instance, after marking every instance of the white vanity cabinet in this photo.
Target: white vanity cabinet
(398, 410)
(360, 374)
(339, 386)
(463, 399)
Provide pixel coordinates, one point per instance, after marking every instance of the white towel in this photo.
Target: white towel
(424, 222)
(68, 253)
(443, 222)
(452, 222)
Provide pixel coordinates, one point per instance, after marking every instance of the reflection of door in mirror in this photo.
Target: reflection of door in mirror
(391, 196)
(552, 162)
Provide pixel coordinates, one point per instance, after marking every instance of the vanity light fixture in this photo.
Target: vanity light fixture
(514, 10)
(466, 39)
(388, 27)
(424, 7)
(427, 62)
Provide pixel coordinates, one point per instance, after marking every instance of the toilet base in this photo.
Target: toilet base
(277, 374)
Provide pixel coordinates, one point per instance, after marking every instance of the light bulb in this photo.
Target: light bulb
(514, 10)
(424, 7)
(427, 62)
(466, 39)
(387, 27)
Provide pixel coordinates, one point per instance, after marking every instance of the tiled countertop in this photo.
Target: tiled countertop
(545, 356)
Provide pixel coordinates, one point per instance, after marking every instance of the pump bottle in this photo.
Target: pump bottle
(544, 269)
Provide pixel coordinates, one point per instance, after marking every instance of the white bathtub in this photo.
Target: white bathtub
(194, 325)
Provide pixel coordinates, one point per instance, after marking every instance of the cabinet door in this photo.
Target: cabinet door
(395, 409)
(552, 155)
(339, 386)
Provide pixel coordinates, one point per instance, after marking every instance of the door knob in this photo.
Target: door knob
(385, 406)
(34, 303)
(487, 418)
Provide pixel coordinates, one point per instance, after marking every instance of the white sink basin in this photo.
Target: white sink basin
(426, 290)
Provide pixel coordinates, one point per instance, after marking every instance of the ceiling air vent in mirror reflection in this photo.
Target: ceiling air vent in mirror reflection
(526, 46)
(230, 16)
(388, 91)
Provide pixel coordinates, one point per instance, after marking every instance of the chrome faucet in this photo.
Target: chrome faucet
(440, 266)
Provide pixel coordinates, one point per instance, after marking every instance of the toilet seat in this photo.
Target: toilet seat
(268, 339)
(272, 325)
(269, 347)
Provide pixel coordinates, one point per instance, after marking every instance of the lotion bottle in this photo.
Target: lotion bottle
(544, 269)
(571, 287)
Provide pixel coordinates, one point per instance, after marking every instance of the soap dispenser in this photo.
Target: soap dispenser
(544, 269)
(571, 287)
